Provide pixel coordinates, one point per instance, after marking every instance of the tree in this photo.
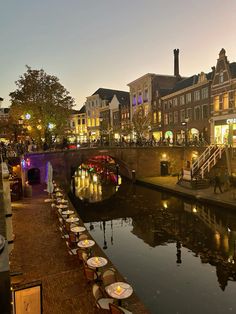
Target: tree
(46, 102)
(141, 122)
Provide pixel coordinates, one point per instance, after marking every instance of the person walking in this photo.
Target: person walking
(217, 184)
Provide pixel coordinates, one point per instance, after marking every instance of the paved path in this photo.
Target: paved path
(226, 199)
(41, 254)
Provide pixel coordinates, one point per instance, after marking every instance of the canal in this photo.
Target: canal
(178, 256)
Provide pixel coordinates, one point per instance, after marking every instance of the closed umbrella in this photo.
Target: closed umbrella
(49, 178)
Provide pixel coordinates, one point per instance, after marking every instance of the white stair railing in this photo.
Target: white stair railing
(202, 158)
(212, 160)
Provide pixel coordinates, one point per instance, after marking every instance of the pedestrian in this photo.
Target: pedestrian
(217, 184)
(226, 181)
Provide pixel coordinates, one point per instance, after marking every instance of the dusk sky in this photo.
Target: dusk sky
(89, 44)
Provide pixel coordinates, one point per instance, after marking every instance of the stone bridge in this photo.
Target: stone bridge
(146, 161)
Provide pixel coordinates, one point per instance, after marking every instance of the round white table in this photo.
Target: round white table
(97, 262)
(119, 290)
(68, 212)
(62, 206)
(77, 229)
(86, 243)
(72, 219)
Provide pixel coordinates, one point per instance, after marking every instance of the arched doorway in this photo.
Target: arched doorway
(34, 176)
(169, 136)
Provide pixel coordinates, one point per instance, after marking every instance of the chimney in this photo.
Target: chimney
(176, 62)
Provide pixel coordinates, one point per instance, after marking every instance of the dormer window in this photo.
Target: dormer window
(221, 77)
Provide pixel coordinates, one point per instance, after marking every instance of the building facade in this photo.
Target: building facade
(223, 100)
(186, 110)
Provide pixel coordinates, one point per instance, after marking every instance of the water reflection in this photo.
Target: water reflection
(96, 180)
(147, 232)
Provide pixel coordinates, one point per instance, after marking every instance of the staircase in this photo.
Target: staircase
(195, 178)
(206, 161)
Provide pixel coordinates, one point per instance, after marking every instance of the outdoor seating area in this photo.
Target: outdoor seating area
(106, 283)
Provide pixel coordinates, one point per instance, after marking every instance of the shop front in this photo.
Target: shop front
(225, 132)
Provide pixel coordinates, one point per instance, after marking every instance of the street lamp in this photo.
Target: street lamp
(185, 124)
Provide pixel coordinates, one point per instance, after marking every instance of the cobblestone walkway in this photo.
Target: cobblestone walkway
(40, 254)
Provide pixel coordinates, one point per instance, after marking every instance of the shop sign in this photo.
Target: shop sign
(229, 121)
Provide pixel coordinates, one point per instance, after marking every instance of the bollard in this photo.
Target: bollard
(133, 176)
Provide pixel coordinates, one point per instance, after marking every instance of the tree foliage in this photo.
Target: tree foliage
(47, 101)
(141, 121)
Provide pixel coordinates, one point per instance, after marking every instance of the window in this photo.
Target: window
(97, 121)
(221, 77)
(188, 98)
(79, 122)
(93, 122)
(140, 98)
(225, 101)
(166, 118)
(175, 102)
(181, 100)
(159, 116)
(205, 93)
(145, 98)
(182, 115)
(176, 117)
(205, 111)
(196, 95)
(89, 122)
(134, 100)
(154, 117)
(170, 117)
(83, 121)
(216, 103)
(197, 114)
(189, 113)
(165, 105)
(170, 103)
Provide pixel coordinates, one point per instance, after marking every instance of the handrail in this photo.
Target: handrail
(212, 160)
(202, 158)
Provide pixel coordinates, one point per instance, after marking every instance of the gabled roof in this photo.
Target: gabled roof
(123, 98)
(82, 110)
(107, 94)
(232, 67)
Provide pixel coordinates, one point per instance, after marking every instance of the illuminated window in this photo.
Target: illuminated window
(189, 113)
(89, 122)
(97, 122)
(140, 98)
(154, 117)
(134, 100)
(216, 103)
(225, 101)
(93, 122)
(159, 116)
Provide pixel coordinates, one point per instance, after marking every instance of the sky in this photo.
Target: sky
(90, 44)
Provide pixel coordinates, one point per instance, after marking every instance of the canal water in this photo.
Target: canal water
(180, 257)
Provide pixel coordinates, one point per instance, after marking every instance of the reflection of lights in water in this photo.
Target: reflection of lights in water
(96, 186)
(229, 230)
(226, 243)
(194, 210)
